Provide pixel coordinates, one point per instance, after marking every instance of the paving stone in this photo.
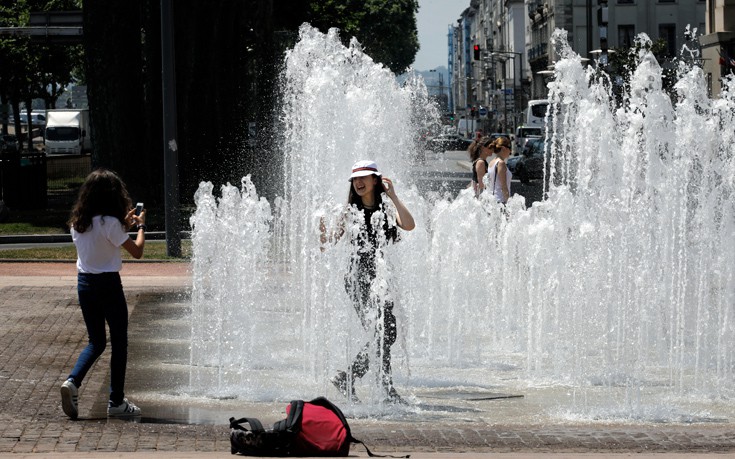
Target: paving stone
(41, 334)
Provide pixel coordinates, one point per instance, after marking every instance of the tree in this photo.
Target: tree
(385, 28)
(624, 61)
(228, 56)
(14, 70)
(54, 70)
(114, 72)
(31, 69)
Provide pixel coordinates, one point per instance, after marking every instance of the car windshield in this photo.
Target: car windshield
(535, 147)
(62, 133)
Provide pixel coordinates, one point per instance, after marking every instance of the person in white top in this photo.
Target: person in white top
(498, 176)
(99, 225)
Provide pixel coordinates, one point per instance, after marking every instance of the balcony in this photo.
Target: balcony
(538, 9)
(538, 51)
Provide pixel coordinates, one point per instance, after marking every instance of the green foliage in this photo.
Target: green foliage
(624, 62)
(385, 28)
(30, 69)
(28, 228)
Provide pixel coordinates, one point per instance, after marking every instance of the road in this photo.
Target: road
(447, 173)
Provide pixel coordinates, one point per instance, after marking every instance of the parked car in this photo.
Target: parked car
(9, 144)
(512, 163)
(530, 164)
(37, 119)
(523, 134)
(445, 141)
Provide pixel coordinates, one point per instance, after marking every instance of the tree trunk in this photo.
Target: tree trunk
(113, 50)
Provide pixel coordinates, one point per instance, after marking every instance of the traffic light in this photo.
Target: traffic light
(477, 52)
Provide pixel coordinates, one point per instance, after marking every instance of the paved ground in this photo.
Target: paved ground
(41, 334)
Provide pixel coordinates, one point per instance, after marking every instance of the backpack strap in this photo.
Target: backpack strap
(255, 425)
(372, 454)
(321, 401)
(292, 423)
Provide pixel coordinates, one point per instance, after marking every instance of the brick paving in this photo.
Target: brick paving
(41, 334)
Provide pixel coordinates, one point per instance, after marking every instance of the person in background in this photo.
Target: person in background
(479, 151)
(99, 224)
(367, 188)
(498, 176)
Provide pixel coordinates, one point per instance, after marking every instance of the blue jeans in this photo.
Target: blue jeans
(102, 300)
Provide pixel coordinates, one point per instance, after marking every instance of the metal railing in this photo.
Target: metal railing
(66, 172)
(28, 179)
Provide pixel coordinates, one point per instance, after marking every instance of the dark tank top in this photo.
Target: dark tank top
(367, 239)
(474, 171)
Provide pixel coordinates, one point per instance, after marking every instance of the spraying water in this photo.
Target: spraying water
(618, 289)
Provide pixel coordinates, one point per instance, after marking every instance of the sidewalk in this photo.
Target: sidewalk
(41, 334)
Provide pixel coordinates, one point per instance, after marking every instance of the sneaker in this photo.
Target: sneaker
(126, 408)
(69, 396)
(340, 382)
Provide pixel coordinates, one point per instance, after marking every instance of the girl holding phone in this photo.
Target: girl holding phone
(99, 225)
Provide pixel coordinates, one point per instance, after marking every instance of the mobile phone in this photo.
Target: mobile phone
(386, 187)
(138, 208)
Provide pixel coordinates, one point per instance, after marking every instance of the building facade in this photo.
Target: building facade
(718, 43)
(516, 54)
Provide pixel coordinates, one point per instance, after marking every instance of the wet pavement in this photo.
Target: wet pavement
(41, 335)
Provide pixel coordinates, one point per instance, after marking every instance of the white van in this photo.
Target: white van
(467, 128)
(536, 112)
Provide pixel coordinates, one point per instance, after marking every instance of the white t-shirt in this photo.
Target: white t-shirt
(98, 248)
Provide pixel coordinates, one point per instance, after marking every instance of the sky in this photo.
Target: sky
(433, 21)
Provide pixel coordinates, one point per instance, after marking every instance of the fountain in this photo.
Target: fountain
(616, 294)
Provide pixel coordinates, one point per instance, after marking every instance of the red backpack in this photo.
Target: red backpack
(315, 428)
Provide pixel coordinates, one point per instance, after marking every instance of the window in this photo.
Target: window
(626, 35)
(62, 133)
(667, 32)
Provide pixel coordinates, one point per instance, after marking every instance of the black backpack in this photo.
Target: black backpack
(315, 428)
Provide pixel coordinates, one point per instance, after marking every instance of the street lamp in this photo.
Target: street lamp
(516, 101)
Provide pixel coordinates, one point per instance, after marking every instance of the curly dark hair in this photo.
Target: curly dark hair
(103, 193)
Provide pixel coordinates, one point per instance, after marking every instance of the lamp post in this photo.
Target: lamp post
(518, 102)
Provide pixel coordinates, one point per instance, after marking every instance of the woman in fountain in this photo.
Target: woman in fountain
(498, 176)
(479, 151)
(366, 197)
(99, 223)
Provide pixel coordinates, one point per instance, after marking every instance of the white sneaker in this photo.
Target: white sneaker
(126, 408)
(69, 396)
